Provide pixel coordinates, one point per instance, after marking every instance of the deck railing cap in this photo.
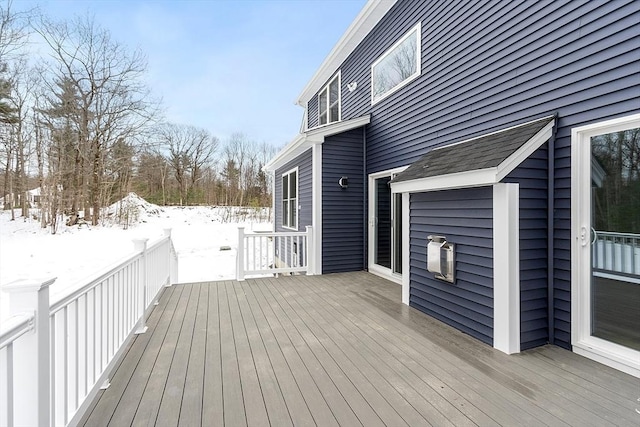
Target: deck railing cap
(28, 285)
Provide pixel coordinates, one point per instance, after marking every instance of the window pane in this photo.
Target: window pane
(323, 119)
(293, 182)
(322, 102)
(285, 213)
(397, 66)
(285, 187)
(615, 237)
(293, 214)
(333, 91)
(334, 113)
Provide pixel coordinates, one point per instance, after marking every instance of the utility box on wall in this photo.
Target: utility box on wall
(441, 258)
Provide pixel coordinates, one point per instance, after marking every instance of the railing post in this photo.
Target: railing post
(173, 265)
(309, 255)
(32, 398)
(240, 255)
(140, 245)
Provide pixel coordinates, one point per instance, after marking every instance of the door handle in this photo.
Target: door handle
(595, 236)
(583, 236)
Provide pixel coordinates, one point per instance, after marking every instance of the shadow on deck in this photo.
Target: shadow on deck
(341, 350)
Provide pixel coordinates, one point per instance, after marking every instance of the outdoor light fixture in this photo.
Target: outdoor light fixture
(343, 182)
(352, 86)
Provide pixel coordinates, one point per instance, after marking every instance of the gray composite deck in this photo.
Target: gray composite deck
(341, 349)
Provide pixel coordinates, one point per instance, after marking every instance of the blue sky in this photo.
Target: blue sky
(227, 66)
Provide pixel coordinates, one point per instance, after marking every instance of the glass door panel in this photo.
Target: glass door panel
(397, 233)
(383, 222)
(615, 237)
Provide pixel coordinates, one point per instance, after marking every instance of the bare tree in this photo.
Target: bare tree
(23, 82)
(113, 100)
(189, 150)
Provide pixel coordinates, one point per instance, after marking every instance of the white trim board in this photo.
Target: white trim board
(316, 202)
(506, 268)
(302, 142)
(406, 248)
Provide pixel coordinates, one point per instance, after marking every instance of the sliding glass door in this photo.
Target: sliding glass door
(385, 226)
(606, 248)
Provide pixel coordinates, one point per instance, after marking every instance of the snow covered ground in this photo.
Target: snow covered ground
(76, 254)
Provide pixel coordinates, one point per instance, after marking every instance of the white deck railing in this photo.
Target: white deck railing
(274, 253)
(616, 252)
(82, 335)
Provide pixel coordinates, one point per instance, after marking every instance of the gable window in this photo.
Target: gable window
(397, 66)
(329, 102)
(290, 199)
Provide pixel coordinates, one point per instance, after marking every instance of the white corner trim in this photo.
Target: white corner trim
(273, 200)
(316, 197)
(406, 247)
(372, 13)
(506, 268)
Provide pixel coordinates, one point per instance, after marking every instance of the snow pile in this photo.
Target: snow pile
(132, 209)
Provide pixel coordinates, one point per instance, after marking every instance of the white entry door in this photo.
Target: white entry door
(606, 248)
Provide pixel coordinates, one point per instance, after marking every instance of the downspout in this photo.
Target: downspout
(365, 207)
(550, 233)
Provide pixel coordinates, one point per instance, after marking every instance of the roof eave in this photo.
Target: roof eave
(362, 25)
(474, 178)
(304, 141)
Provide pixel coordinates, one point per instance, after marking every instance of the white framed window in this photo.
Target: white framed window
(397, 66)
(290, 199)
(329, 102)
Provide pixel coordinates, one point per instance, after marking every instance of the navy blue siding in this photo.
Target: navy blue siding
(464, 217)
(531, 175)
(490, 65)
(343, 210)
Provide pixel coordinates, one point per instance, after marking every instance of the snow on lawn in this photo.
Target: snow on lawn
(75, 255)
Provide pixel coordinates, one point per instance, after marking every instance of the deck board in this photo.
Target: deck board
(340, 350)
(272, 394)
(299, 412)
(192, 397)
(213, 410)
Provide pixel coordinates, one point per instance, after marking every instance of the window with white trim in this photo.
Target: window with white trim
(397, 66)
(290, 199)
(329, 102)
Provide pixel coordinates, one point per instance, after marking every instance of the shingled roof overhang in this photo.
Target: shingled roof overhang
(484, 160)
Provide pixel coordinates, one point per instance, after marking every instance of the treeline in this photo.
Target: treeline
(78, 121)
